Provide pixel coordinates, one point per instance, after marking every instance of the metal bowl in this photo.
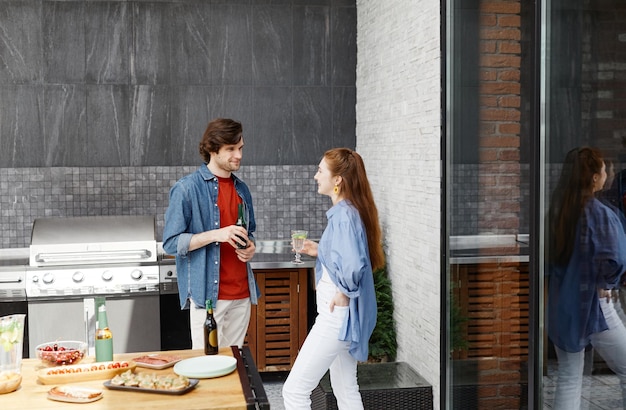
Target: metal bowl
(61, 353)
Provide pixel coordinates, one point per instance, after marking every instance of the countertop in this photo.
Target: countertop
(277, 254)
(472, 249)
(269, 255)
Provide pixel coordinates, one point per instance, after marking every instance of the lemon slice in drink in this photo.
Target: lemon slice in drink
(8, 337)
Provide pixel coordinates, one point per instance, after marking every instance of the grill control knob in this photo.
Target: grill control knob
(136, 274)
(78, 276)
(107, 275)
(47, 278)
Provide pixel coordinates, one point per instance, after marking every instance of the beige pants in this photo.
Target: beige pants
(232, 318)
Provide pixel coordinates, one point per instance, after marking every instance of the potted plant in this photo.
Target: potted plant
(383, 344)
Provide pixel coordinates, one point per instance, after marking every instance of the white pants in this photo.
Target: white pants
(232, 318)
(610, 344)
(322, 351)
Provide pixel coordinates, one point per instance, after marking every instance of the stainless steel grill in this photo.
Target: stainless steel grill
(92, 255)
(93, 240)
(72, 260)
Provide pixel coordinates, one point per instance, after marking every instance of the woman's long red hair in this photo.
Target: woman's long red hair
(355, 187)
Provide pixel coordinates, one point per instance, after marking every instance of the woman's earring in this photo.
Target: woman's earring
(336, 189)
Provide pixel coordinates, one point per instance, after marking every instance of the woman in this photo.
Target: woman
(587, 256)
(349, 249)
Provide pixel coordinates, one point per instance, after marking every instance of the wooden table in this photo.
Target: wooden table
(230, 392)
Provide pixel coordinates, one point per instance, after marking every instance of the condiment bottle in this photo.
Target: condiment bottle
(210, 331)
(104, 336)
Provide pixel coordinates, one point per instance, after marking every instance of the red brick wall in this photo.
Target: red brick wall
(500, 90)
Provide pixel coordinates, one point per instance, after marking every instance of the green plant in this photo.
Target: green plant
(383, 344)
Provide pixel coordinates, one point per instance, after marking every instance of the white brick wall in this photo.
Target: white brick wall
(398, 131)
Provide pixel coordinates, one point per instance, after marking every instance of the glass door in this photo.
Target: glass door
(490, 94)
(584, 96)
(528, 83)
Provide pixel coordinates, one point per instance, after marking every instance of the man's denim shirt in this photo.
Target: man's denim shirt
(193, 209)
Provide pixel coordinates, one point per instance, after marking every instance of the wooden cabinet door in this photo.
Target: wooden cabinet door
(278, 324)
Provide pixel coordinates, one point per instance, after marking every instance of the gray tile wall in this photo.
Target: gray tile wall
(285, 197)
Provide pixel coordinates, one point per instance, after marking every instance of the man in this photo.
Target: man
(200, 230)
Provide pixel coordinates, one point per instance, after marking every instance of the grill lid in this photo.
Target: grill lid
(93, 240)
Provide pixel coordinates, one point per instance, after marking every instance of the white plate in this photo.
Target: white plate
(205, 367)
(74, 394)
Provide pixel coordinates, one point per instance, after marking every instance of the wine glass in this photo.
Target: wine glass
(297, 241)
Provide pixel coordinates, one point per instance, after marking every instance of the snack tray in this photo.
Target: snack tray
(83, 372)
(192, 384)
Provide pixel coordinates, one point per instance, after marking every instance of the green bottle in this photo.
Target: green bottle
(104, 337)
(241, 221)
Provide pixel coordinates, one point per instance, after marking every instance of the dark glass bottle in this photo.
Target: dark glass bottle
(210, 331)
(241, 221)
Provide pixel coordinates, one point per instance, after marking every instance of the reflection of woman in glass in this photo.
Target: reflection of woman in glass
(587, 256)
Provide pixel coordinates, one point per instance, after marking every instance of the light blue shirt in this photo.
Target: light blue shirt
(597, 262)
(343, 250)
(193, 209)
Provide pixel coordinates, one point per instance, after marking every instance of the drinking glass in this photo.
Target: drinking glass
(297, 241)
(11, 339)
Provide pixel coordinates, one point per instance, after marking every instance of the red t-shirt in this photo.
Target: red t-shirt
(233, 272)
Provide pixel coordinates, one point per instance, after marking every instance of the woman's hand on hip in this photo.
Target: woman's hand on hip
(339, 300)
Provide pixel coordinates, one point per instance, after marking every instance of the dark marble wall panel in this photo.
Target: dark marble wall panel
(343, 34)
(21, 125)
(272, 53)
(194, 107)
(21, 39)
(344, 117)
(192, 49)
(190, 107)
(65, 125)
(107, 33)
(150, 136)
(311, 113)
(245, 59)
(273, 127)
(64, 42)
(311, 39)
(271, 2)
(231, 42)
(151, 43)
(108, 140)
(315, 2)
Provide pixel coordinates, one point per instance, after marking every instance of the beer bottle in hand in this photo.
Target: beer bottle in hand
(241, 221)
(210, 330)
